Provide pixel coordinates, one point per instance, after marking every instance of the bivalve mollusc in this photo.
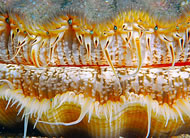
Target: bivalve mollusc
(106, 68)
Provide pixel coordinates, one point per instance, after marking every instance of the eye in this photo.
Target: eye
(70, 21)
(7, 20)
(156, 28)
(115, 28)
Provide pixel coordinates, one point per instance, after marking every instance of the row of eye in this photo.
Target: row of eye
(125, 27)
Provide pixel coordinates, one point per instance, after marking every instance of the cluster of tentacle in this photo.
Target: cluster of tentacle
(135, 29)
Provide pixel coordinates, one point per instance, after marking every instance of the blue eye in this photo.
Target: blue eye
(115, 27)
(7, 20)
(91, 32)
(177, 27)
(156, 28)
(70, 21)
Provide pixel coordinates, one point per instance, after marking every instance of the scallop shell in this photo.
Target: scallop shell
(8, 114)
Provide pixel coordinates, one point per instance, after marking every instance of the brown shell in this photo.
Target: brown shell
(8, 115)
